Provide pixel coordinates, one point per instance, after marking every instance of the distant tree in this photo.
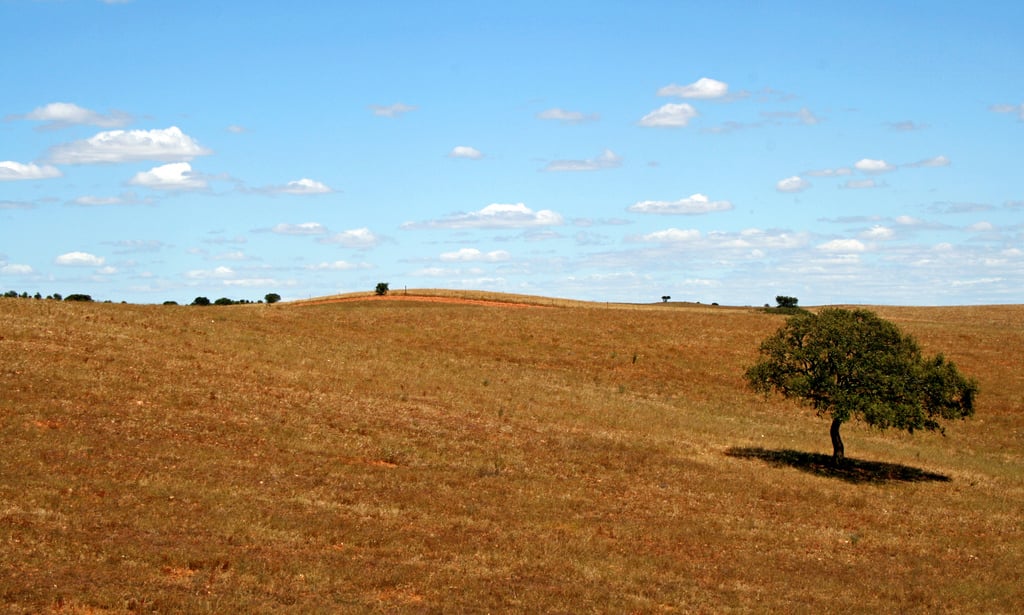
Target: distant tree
(37, 296)
(272, 297)
(665, 298)
(170, 303)
(783, 301)
(224, 301)
(11, 294)
(200, 301)
(851, 364)
(78, 297)
(382, 288)
(57, 297)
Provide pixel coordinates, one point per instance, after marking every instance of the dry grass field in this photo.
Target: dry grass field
(393, 456)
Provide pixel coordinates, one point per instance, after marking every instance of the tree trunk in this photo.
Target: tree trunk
(837, 442)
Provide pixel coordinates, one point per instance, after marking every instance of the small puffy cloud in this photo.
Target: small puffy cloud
(607, 160)
(878, 233)
(173, 176)
(236, 129)
(474, 255)
(394, 110)
(304, 186)
(359, 239)
(465, 151)
(167, 144)
(792, 184)
(336, 266)
(80, 259)
(567, 117)
(16, 269)
(691, 205)
(672, 235)
(217, 273)
(840, 172)
(1017, 110)
(304, 228)
(14, 171)
(669, 116)
(62, 114)
(702, 88)
(494, 216)
(842, 246)
(981, 227)
(936, 161)
(860, 184)
(868, 165)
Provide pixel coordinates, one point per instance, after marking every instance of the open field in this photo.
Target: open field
(417, 456)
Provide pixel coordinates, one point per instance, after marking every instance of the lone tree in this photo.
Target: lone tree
(382, 288)
(272, 297)
(851, 364)
(784, 301)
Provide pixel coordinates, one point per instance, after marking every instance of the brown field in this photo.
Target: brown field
(418, 456)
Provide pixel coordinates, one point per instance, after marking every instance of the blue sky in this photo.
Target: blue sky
(612, 151)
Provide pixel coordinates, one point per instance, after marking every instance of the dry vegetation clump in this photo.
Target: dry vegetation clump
(400, 456)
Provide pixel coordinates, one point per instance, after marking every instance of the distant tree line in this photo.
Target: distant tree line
(269, 298)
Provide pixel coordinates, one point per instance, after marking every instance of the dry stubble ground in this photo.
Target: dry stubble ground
(390, 456)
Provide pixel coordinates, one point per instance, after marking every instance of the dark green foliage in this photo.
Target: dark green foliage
(170, 303)
(200, 301)
(786, 302)
(382, 288)
(78, 297)
(224, 301)
(272, 298)
(851, 364)
(665, 298)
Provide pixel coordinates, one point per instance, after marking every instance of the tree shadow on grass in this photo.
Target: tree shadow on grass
(850, 470)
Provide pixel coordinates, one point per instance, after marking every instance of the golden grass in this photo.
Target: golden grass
(396, 456)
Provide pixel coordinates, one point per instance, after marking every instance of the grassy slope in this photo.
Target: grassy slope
(395, 456)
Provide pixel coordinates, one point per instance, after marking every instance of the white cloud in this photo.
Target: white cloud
(167, 144)
(840, 172)
(15, 269)
(80, 259)
(792, 184)
(61, 114)
(360, 239)
(607, 160)
(14, 171)
(336, 266)
(305, 228)
(236, 129)
(860, 184)
(394, 110)
(981, 227)
(691, 205)
(937, 161)
(465, 151)
(702, 88)
(878, 233)
(868, 165)
(669, 116)
(494, 216)
(474, 255)
(673, 235)
(208, 274)
(1016, 109)
(304, 186)
(842, 246)
(567, 117)
(173, 176)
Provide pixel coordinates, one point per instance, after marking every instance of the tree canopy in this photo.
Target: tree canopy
(851, 364)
